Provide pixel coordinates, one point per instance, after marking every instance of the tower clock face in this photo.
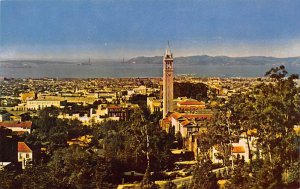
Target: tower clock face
(169, 65)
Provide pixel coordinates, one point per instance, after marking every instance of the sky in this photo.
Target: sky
(108, 29)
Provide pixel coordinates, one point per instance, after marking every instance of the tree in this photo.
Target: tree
(219, 135)
(203, 177)
(268, 176)
(205, 143)
(127, 141)
(240, 178)
(38, 177)
(8, 179)
(146, 182)
(272, 110)
(293, 174)
(76, 168)
(277, 111)
(196, 91)
(179, 140)
(170, 185)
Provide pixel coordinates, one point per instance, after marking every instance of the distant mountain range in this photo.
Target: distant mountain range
(220, 60)
(188, 60)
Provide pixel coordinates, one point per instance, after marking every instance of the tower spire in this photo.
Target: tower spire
(168, 50)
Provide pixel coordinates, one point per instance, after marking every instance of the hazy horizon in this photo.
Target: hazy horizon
(97, 59)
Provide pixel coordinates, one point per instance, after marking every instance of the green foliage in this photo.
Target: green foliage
(268, 176)
(271, 110)
(277, 73)
(70, 168)
(293, 173)
(76, 129)
(217, 135)
(72, 108)
(203, 177)
(4, 132)
(147, 181)
(240, 178)
(184, 186)
(138, 99)
(170, 185)
(127, 141)
(38, 177)
(8, 181)
(196, 91)
(179, 140)
(53, 133)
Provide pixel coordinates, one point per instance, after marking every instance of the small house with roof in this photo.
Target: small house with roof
(25, 154)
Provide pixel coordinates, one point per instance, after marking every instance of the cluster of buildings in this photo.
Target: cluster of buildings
(188, 117)
(107, 98)
(114, 112)
(111, 99)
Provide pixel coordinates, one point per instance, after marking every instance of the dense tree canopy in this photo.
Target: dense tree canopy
(268, 114)
(196, 91)
(203, 177)
(127, 142)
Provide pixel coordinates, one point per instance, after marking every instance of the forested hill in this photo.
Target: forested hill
(222, 60)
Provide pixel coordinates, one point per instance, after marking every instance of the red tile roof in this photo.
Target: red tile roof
(197, 116)
(238, 149)
(22, 147)
(166, 120)
(114, 107)
(191, 102)
(176, 115)
(185, 123)
(23, 124)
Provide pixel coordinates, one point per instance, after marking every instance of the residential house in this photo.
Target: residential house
(25, 154)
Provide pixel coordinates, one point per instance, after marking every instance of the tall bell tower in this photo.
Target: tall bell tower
(168, 82)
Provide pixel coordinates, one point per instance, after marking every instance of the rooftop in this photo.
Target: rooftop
(22, 147)
(191, 102)
(23, 124)
(238, 149)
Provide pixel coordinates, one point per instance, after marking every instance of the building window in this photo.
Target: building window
(27, 155)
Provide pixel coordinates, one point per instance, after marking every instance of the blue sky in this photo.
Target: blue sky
(113, 29)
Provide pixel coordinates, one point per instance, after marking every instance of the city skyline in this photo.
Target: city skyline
(115, 29)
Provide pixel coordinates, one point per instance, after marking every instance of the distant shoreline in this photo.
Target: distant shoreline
(113, 69)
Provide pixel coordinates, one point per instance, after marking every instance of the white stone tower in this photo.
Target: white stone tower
(167, 82)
